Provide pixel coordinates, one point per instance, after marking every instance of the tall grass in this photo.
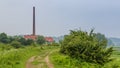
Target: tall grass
(62, 61)
(16, 58)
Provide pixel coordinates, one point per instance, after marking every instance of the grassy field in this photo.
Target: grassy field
(17, 58)
(62, 61)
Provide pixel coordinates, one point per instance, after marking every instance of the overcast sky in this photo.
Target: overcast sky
(57, 17)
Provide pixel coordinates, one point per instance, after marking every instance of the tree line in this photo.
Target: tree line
(19, 41)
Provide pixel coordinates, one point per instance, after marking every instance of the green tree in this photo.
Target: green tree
(101, 39)
(40, 40)
(4, 38)
(16, 44)
(23, 41)
(90, 47)
(29, 42)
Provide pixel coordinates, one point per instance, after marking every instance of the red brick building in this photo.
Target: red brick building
(33, 37)
(49, 39)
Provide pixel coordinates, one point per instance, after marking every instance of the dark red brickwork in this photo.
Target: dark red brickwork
(49, 39)
(33, 37)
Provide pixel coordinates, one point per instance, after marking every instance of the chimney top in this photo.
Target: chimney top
(34, 20)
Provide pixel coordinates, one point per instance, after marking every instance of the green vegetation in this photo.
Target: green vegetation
(40, 40)
(16, 44)
(79, 49)
(16, 58)
(39, 60)
(63, 61)
(4, 47)
(89, 47)
(4, 38)
(19, 41)
(16, 50)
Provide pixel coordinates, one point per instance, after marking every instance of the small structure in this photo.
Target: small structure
(33, 37)
(49, 39)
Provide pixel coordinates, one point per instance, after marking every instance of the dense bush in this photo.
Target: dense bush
(40, 40)
(16, 44)
(4, 47)
(4, 38)
(64, 61)
(25, 42)
(90, 47)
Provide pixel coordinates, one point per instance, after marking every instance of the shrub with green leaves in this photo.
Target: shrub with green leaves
(90, 47)
(16, 44)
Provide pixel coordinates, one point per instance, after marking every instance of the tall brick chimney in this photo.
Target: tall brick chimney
(34, 21)
(33, 36)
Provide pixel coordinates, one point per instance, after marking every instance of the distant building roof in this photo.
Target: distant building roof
(33, 37)
(49, 39)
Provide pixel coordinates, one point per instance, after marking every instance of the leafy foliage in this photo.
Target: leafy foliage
(40, 40)
(16, 44)
(4, 38)
(23, 41)
(63, 61)
(90, 47)
(4, 47)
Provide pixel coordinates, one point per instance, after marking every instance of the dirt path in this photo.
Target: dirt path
(49, 64)
(29, 64)
(41, 61)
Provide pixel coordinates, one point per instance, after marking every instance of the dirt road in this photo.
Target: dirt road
(49, 64)
(40, 61)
